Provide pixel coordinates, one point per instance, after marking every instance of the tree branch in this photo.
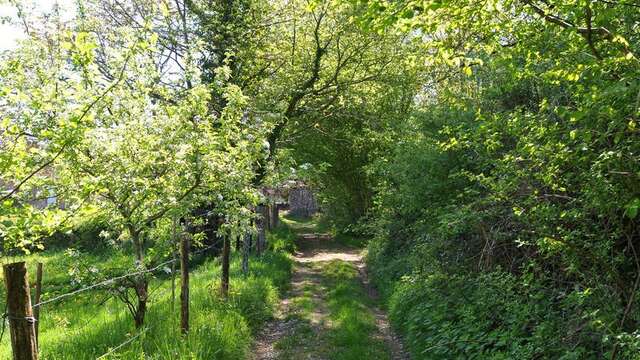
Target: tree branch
(64, 145)
(554, 19)
(588, 15)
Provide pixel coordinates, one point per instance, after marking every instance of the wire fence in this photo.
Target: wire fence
(113, 350)
(114, 279)
(103, 283)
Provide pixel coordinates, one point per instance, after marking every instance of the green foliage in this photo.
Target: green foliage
(492, 316)
(504, 221)
(34, 86)
(282, 238)
(489, 149)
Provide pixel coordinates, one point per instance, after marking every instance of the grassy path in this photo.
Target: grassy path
(329, 311)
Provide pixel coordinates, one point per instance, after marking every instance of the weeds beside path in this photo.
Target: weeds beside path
(329, 311)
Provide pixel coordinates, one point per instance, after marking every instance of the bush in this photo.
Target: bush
(505, 222)
(282, 238)
(447, 313)
(87, 235)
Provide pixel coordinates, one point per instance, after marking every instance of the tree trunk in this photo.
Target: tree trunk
(141, 284)
(246, 249)
(238, 244)
(141, 309)
(224, 283)
(275, 218)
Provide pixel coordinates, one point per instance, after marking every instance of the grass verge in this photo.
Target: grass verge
(353, 326)
(331, 317)
(88, 326)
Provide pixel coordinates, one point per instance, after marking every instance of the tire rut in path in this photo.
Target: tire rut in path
(307, 281)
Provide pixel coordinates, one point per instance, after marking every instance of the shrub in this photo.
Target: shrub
(282, 238)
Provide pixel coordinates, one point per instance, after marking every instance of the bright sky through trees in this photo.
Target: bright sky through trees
(11, 31)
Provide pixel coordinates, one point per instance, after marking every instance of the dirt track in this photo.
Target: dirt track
(306, 284)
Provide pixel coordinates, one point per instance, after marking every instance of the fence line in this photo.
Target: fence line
(108, 282)
(6, 316)
(112, 280)
(122, 345)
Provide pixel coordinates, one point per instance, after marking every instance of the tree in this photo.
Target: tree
(114, 132)
(50, 96)
(525, 128)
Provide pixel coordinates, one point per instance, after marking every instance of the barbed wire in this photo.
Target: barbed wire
(107, 282)
(113, 280)
(113, 350)
(123, 344)
(5, 316)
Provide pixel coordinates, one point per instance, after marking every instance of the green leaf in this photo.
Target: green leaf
(631, 209)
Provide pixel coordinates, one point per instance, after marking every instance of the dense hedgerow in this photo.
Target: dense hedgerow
(505, 219)
(494, 315)
(498, 236)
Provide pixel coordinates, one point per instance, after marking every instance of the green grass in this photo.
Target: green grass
(304, 338)
(303, 225)
(319, 225)
(302, 342)
(282, 238)
(347, 330)
(89, 325)
(353, 325)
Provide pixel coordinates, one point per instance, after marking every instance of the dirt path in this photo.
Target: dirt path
(305, 326)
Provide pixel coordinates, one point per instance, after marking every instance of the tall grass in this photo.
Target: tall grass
(90, 325)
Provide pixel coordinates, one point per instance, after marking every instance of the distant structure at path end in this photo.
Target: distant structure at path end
(302, 203)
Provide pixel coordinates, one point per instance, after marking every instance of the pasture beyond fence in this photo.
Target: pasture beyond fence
(22, 316)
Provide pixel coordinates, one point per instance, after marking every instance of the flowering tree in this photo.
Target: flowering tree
(115, 128)
(50, 94)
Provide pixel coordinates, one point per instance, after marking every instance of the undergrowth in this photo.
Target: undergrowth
(492, 315)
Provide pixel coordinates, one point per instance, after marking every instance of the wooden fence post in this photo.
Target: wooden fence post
(21, 321)
(266, 213)
(275, 215)
(261, 221)
(267, 226)
(246, 249)
(184, 286)
(36, 311)
(262, 240)
(224, 280)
